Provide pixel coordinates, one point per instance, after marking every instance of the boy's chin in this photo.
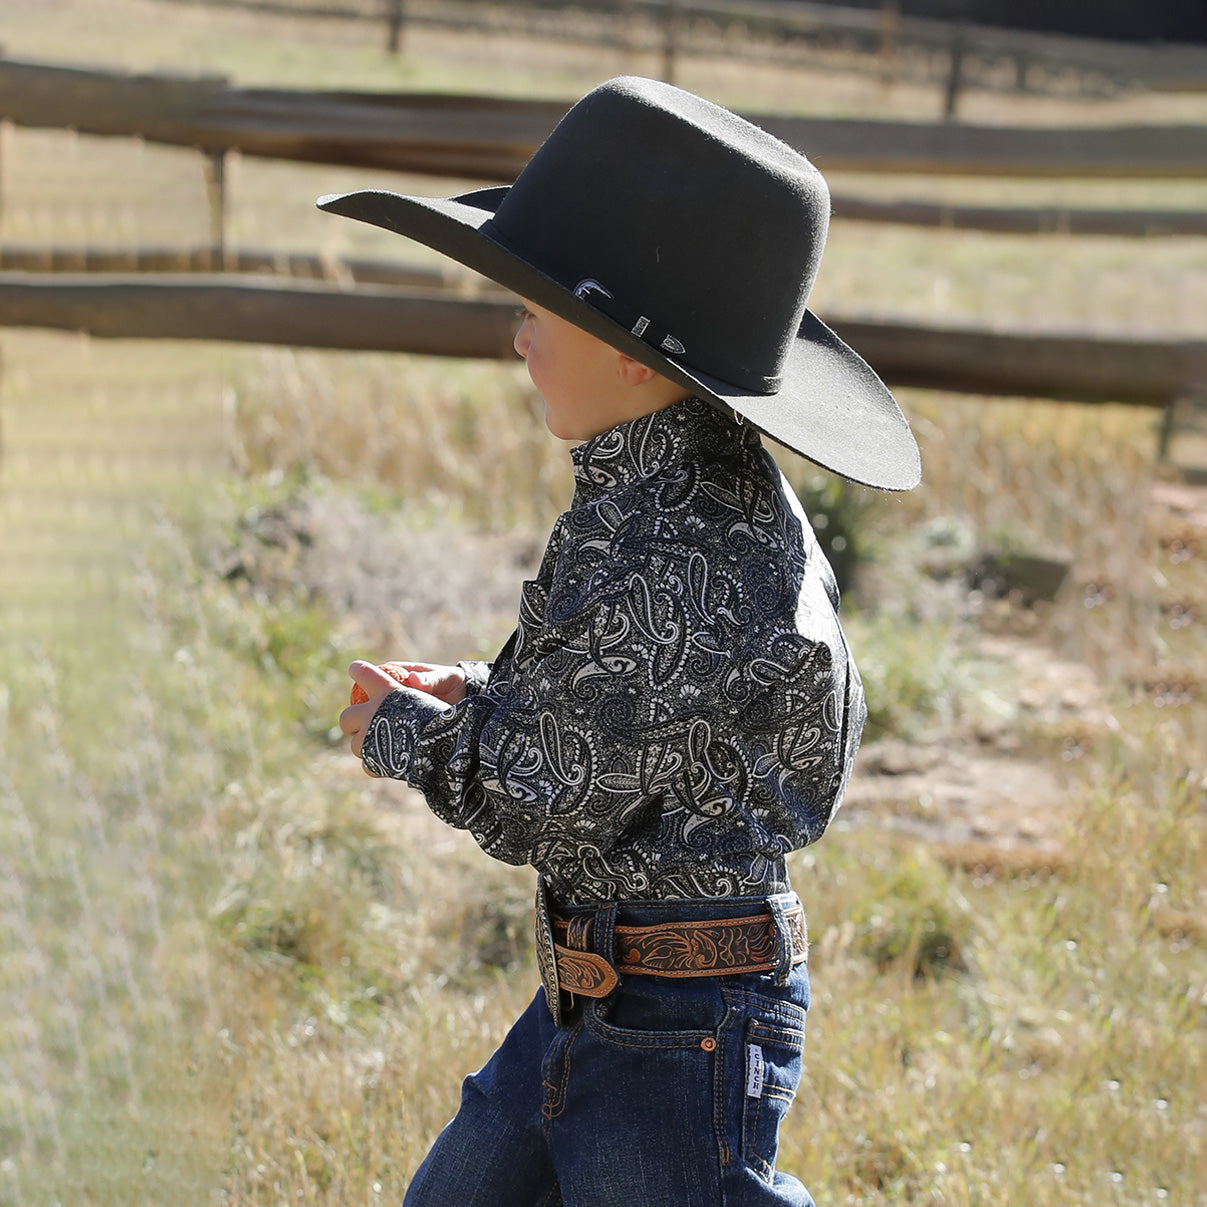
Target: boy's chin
(578, 420)
(552, 424)
(561, 427)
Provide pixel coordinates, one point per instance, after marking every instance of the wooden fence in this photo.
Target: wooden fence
(491, 138)
(957, 54)
(1037, 364)
(206, 259)
(1024, 220)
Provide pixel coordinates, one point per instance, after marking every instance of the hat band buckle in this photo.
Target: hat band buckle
(641, 327)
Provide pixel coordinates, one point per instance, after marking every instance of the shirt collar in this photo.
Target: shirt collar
(642, 447)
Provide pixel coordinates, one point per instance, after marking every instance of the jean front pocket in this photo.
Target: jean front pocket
(655, 1012)
(770, 1075)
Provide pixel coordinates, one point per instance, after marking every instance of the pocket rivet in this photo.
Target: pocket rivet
(708, 1044)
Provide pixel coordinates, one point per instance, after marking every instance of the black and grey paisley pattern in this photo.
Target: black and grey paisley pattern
(676, 708)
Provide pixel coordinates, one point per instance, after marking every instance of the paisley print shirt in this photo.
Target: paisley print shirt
(676, 708)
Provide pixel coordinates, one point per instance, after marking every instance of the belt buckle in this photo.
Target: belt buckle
(546, 953)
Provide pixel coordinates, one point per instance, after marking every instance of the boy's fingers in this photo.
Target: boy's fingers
(355, 717)
(417, 668)
(375, 683)
(371, 678)
(409, 674)
(352, 721)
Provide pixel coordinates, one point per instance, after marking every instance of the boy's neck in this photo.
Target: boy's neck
(636, 402)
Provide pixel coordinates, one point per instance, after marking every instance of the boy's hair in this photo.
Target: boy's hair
(689, 239)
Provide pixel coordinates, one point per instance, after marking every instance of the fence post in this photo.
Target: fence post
(670, 49)
(395, 16)
(215, 187)
(6, 145)
(889, 13)
(951, 93)
(1184, 412)
(628, 18)
(1022, 62)
(1165, 431)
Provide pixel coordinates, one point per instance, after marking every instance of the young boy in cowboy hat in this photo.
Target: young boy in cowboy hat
(676, 709)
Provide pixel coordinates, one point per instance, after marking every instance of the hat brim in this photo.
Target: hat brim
(828, 392)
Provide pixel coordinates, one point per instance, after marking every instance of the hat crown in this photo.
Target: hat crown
(680, 213)
(689, 239)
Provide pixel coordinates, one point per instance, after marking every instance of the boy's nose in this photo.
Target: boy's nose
(523, 337)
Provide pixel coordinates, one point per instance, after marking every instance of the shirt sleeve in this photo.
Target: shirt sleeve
(476, 675)
(554, 757)
(638, 715)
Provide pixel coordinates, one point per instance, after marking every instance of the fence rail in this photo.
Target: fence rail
(491, 138)
(1024, 220)
(208, 259)
(1076, 367)
(884, 41)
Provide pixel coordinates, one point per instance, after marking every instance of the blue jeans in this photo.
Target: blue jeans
(667, 1093)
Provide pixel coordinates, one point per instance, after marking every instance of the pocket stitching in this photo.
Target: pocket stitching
(786, 1037)
(624, 1037)
(767, 1010)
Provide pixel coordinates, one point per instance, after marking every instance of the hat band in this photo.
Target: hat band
(598, 297)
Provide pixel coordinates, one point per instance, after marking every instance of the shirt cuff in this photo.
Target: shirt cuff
(476, 675)
(389, 741)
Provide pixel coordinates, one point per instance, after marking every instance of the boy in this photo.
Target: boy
(677, 708)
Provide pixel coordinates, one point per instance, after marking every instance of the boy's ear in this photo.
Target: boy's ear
(633, 372)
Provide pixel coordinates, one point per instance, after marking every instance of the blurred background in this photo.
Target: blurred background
(243, 442)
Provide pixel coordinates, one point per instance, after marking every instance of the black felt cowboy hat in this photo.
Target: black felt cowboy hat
(689, 239)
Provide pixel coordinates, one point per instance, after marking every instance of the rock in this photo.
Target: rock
(893, 757)
(1028, 577)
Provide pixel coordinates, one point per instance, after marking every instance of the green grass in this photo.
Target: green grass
(224, 962)
(261, 969)
(984, 1039)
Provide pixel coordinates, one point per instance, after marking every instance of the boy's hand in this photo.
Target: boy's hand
(376, 685)
(446, 683)
(394, 669)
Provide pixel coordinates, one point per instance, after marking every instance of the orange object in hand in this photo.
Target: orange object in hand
(359, 695)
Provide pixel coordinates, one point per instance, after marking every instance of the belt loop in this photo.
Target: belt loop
(603, 932)
(779, 905)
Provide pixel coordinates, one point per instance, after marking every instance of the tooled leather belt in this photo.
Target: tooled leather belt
(717, 947)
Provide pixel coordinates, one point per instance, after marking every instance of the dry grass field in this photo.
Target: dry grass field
(225, 971)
